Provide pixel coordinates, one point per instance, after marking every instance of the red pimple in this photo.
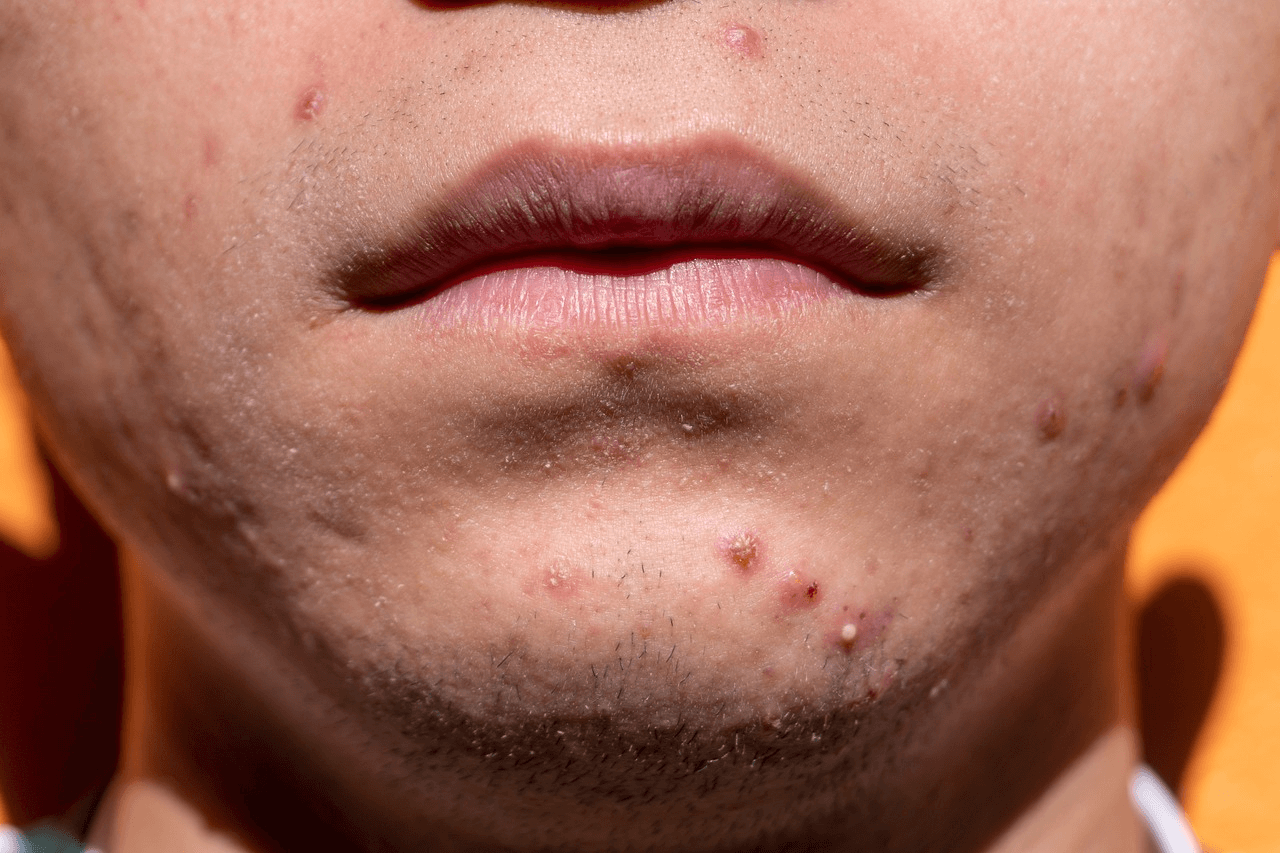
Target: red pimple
(1150, 369)
(743, 40)
(310, 104)
(796, 592)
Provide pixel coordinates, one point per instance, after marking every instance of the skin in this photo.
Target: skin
(377, 603)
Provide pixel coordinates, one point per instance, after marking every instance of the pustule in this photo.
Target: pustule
(743, 550)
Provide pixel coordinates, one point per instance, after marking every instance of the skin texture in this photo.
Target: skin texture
(401, 583)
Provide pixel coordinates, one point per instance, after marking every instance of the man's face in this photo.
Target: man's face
(906, 309)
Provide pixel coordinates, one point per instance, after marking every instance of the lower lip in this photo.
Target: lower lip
(695, 292)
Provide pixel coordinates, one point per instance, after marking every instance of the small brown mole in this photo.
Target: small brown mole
(310, 105)
(1050, 419)
(743, 40)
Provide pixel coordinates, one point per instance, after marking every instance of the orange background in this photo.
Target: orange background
(1204, 578)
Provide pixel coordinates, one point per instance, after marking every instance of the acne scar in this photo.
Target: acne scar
(310, 104)
(1050, 419)
(743, 40)
(742, 550)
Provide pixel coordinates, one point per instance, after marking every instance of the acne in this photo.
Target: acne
(1050, 418)
(742, 40)
(559, 580)
(310, 104)
(1149, 370)
(742, 550)
(798, 593)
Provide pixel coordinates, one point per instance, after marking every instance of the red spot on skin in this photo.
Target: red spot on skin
(212, 150)
(1150, 369)
(1050, 419)
(796, 592)
(743, 40)
(310, 104)
(872, 625)
(742, 550)
(560, 580)
(190, 207)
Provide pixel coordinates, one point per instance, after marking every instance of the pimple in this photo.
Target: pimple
(559, 580)
(743, 40)
(1050, 418)
(1150, 369)
(310, 104)
(848, 634)
(797, 592)
(742, 550)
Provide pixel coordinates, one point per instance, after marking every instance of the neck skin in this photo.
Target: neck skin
(998, 736)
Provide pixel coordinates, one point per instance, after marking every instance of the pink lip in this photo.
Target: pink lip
(630, 236)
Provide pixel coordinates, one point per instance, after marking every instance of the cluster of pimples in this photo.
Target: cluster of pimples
(795, 590)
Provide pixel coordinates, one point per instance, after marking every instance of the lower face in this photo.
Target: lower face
(451, 516)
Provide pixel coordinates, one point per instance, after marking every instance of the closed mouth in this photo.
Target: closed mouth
(624, 212)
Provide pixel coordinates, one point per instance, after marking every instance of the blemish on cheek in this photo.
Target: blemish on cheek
(742, 550)
(190, 207)
(848, 634)
(1150, 369)
(743, 40)
(310, 104)
(1051, 418)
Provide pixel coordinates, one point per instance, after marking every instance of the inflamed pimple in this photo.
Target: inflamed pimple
(796, 592)
(742, 550)
(1150, 369)
(310, 104)
(743, 40)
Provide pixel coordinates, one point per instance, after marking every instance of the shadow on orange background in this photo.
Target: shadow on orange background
(1202, 575)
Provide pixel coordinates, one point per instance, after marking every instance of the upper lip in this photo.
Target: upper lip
(718, 196)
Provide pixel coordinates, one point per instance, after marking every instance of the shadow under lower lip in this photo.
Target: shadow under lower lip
(698, 292)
